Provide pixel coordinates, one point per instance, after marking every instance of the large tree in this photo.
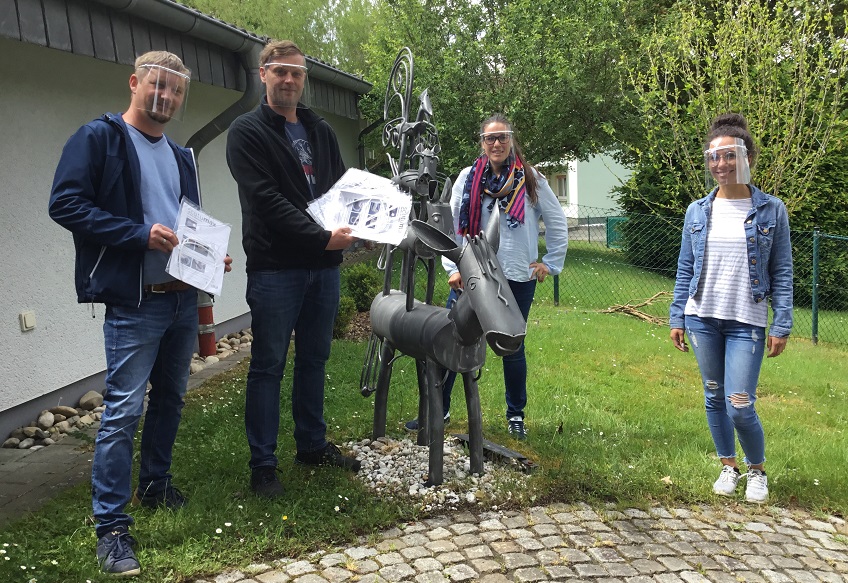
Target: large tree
(330, 30)
(550, 66)
(781, 66)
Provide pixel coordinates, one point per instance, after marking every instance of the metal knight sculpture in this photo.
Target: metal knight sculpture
(437, 338)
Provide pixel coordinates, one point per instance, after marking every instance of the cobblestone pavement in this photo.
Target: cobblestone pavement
(576, 543)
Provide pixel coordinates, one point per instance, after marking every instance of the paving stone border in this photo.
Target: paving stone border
(577, 543)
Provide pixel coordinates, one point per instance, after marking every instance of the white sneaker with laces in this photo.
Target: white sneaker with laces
(727, 480)
(757, 489)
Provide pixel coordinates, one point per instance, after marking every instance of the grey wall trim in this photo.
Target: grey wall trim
(25, 413)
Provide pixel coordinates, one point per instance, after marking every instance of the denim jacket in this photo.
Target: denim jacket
(769, 254)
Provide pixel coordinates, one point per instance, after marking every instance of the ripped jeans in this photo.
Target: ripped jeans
(730, 355)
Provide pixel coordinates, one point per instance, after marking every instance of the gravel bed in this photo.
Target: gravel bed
(399, 468)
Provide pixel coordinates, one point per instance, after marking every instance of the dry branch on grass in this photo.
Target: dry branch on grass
(633, 309)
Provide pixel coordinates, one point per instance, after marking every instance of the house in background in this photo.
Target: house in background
(588, 184)
(585, 190)
(66, 62)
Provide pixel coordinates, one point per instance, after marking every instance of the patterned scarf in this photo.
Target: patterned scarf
(508, 190)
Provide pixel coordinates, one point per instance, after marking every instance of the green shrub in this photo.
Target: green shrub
(364, 282)
(347, 308)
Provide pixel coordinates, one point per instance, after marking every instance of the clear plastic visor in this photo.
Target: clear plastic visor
(162, 92)
(726, 163)
(286, 85)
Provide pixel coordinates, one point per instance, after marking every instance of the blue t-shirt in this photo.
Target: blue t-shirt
(160, 195)
(296, 134)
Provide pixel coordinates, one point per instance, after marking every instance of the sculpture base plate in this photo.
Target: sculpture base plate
(493, 451)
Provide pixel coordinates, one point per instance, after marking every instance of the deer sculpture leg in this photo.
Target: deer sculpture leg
(423, 437)
(475, 421)
(435, 423)
(381, 394)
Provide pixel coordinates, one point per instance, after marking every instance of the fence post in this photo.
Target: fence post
(815, 290)
(556, 290)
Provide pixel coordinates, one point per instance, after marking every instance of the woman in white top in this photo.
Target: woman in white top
(501, 176)
(735, 253)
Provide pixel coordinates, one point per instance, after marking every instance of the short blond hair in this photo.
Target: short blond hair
(279, 48)
(162, 59)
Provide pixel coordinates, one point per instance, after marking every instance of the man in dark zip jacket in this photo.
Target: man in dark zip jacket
(118, 188)
(283, 155)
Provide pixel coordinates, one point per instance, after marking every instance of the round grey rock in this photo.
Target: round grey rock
(90, 400)
(46, 420)
(63, 410)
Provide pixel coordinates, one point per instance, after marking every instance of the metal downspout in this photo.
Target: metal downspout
(253, 92)
(360, 147)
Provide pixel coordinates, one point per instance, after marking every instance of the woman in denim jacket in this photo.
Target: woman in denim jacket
(735, 252)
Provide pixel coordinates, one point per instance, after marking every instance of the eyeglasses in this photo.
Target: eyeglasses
(297, 72)
(492, 138)
(716, 157)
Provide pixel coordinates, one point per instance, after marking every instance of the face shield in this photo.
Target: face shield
(726, 163)
(286, 84)
(163, 92)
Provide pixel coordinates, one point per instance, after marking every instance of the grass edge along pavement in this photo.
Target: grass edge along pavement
(631, 412)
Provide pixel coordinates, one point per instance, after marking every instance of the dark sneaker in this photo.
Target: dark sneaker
(170, 498)
(264, 482)
(115, 553)
(517, 429)
(329, 456)
(413, 425)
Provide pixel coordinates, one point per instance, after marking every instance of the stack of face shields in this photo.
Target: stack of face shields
(198, 260)
(372, 206)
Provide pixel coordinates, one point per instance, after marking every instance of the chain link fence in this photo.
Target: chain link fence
(627, 263)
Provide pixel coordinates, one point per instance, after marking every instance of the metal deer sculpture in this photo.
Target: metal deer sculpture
(437, 338)
(453, 339)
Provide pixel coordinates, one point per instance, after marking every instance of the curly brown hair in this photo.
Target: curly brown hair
(732, 125)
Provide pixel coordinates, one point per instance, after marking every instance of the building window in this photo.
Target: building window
(562, 187)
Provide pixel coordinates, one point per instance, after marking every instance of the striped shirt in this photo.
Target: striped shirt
(724, 290)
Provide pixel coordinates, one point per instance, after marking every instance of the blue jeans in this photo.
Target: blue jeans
(154, 341)
(730, 355)
(306, 301)
(514, 365)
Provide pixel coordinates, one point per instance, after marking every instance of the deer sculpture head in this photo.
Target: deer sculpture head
(486, 307)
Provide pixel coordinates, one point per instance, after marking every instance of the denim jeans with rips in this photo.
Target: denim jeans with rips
(154, 341)
(514, 365)
(730, 355)
(304, 301)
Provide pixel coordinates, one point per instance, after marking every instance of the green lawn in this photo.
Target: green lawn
(630, 408)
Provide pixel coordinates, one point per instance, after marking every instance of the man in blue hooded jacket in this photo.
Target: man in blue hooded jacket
(118, 187)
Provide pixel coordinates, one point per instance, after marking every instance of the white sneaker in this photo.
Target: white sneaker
(757, 489)
(727, 480)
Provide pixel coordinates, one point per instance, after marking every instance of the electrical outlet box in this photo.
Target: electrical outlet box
(27, 320)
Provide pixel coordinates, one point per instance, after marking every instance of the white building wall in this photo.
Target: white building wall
(45, 95)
